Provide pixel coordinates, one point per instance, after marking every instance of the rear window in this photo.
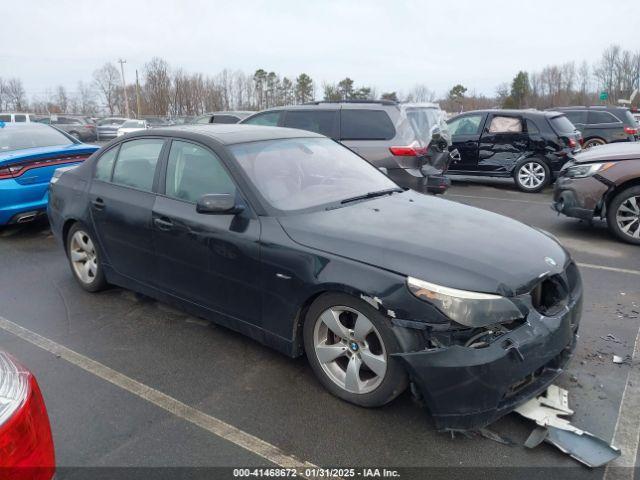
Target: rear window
(561, 124)
(628, 118)
(30, 136)
(324, 122)
(225, 119)
(366, 125)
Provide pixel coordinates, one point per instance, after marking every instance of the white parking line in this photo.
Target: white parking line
(548, 204)
(627, 432)
(214, 425)
(610, 269)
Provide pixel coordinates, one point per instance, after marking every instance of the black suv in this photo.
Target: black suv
(603, 124)
(529, 145)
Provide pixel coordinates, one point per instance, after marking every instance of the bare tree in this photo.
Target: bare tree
(421, 93)
(107, 81)
(157, 86)
(15, 95)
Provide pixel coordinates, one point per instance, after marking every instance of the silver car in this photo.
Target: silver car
(409, 142)
(108, 127)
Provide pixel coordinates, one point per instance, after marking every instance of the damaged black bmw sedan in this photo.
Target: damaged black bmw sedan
(296, 241)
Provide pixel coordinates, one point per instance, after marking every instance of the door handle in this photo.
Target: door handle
(163, 223)
(98, 204)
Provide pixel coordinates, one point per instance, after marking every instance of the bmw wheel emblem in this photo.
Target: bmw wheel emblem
(354, 346)
(550, 261)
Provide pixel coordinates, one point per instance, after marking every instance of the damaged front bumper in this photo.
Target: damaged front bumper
(467, 388)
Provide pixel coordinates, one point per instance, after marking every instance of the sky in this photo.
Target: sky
(391, 45)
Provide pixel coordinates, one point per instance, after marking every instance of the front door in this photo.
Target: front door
(211, 260)
(121, 199)
(465, 136)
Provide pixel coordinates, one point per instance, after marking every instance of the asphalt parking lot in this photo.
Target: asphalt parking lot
(179, 391)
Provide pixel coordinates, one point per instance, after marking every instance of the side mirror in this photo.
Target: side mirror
(218, 203)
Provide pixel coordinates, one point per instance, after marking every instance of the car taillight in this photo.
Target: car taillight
(26, 444)
(17, 169)
(409, 151)
(630, 130)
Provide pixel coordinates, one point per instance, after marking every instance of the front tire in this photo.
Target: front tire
(84, 259)
(349, 345)
(532, 175)
(623, 215)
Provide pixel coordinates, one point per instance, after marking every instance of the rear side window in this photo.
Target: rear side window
(324, 122)
(104, 167)
(20, 118)
(269, 119)
(562, 124)
(505, 125)
(193, 171)
(136, 164)
(366, 125)
(225, 119)
(578, 116)
(596, 117)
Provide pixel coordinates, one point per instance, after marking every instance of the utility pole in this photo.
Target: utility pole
(124, 86)
(137, 94)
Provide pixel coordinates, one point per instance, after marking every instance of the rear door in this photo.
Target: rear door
(122, 197)
(210, 260)
(503, 143)
(605, 125)
(465, 137)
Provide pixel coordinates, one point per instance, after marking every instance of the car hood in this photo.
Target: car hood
(609, 152)
(433, 239)
(46, 152)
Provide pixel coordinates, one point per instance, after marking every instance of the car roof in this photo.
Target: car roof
(512, 111)
(229, 134)
(610, 151)
(592, 107)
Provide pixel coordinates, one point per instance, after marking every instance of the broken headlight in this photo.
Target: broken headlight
(472, 309)
(586, 170)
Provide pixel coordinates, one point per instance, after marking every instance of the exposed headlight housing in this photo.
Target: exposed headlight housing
(586, 170)
(472, 309)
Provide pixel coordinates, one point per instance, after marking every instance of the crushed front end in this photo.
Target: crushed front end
(469, 377)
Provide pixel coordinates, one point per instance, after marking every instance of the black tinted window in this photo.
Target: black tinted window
(366, 125)
(19, 118)
(562, 124)
(579, 116)
(269, 119)
(136, 164)
(193, 171)
(532, 128)
(319, 121)
(105, 165)
(601, 117)
(225, 119)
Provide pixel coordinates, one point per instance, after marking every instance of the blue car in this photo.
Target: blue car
(29, 154)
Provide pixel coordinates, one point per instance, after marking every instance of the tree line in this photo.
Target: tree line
(161, 90)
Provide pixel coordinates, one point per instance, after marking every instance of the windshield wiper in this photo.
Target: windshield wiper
(379, 193)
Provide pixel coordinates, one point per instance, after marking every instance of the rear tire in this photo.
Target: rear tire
(593, 142)
(623, 215)
(355, 364)
(84, 259)
(531, 175)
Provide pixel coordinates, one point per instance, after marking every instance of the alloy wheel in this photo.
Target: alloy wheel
(83, 257)
(350, 349)
(628, 217)
(531, 175)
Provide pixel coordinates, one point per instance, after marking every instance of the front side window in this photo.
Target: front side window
(193, 171)
(468, 125)
(269, 119)
(136, 163)
(324, 122)
(366, 125)
(104, 167)
(301, 173)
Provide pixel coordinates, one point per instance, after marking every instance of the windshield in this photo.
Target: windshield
(30, 136)
(301, 173)
(133, 124)
(561, 124)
